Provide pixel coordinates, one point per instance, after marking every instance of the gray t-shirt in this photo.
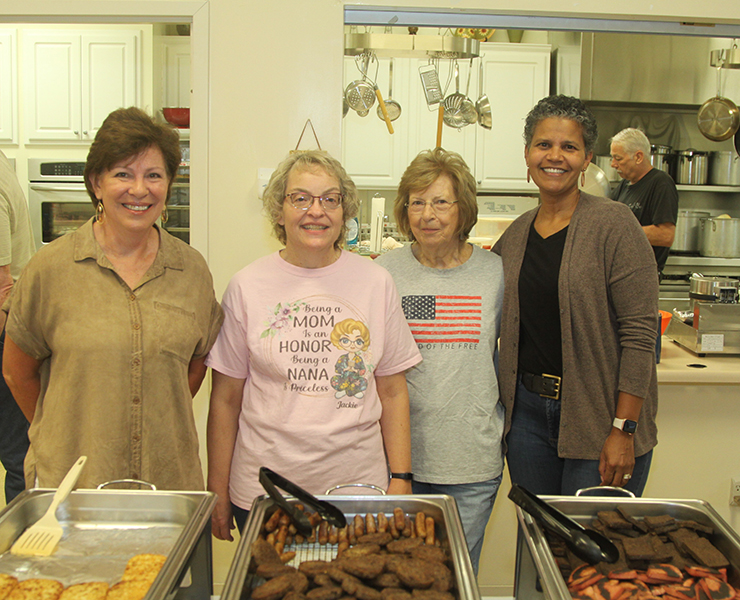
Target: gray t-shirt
(455, 315)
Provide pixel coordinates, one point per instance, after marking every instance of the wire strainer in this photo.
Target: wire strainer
(360, 94)
(453, 112)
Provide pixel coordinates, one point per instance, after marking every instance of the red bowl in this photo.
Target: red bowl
(179, 117)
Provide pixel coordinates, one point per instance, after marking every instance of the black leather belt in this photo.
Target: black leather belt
(544, 385)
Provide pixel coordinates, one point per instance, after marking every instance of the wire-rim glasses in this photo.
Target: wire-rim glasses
(304, 200)
(439, 205)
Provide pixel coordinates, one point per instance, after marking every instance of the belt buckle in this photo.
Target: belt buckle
(551, 383)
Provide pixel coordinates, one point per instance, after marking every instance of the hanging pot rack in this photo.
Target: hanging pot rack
(726, 58)
(394, 45)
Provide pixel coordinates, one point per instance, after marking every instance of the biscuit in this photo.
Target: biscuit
(143, 566)
(7, 583)
(94, 590)
(36, 589)
(134, 589)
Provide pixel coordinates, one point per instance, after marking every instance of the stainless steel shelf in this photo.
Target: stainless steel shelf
(708, 188)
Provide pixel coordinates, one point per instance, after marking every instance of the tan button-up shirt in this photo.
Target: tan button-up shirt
(114, 377)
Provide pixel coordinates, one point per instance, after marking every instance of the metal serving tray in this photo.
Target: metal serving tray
(104, 528)
(442, 508)
(537, 574)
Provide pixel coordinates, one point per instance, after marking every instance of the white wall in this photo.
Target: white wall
(261, 69)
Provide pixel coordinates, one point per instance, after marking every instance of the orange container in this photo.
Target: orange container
(665, 318)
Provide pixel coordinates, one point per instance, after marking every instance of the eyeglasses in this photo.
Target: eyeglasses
(439, 205)
(359, 342)
(304, 201)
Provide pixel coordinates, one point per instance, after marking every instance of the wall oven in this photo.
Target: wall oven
(57, 198)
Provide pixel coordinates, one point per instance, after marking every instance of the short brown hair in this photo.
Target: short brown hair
(274, 194)
(125, 134)
(423, 171)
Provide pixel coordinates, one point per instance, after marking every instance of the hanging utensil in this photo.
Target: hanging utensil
(440, 121)
(360, 94)
(718, 117)
(483, 105)
(586, 544)
(392, 107)
(470, 114)
(453, 116)
(430, 83)
(269, 479)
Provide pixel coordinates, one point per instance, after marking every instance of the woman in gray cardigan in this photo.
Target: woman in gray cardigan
(577, 358)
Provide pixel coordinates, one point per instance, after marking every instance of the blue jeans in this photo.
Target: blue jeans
(474, 503)
(533, 458)
(240, 516)
(13, 438)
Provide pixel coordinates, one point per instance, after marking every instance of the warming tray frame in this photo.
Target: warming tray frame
(189, 559)
(534, 559)
(442, 507)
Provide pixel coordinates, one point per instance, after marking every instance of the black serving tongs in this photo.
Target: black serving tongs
(269, 479)
(587, 544)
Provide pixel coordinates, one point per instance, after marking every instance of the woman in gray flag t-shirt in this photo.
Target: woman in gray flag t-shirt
(452, 295)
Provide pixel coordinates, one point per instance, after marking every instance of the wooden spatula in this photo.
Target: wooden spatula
(41, 538)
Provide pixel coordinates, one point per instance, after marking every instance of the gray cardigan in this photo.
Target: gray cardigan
(608, 293)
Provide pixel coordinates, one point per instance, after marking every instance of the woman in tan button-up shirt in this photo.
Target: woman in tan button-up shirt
(109, 326)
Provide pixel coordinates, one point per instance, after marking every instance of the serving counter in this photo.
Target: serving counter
(680, 366)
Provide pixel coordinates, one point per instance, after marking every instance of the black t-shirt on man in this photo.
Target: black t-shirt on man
(653, 200)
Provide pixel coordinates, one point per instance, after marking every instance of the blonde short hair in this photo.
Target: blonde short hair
(423, 171)
(274, 194)
(346, 327)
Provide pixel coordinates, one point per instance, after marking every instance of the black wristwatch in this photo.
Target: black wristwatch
(625, 425)
(406, 476)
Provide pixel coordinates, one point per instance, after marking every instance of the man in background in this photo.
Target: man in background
(649, 192)
(16, 248)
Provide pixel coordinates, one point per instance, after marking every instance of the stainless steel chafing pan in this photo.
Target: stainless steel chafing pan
(442, 508)
(537, 575)
(104, 528)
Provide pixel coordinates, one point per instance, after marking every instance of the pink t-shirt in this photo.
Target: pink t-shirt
(309, 343)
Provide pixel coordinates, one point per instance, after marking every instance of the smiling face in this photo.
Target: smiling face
(133, 192)
(557, 156)
(352, 342)
(432, 230)
(311, 234)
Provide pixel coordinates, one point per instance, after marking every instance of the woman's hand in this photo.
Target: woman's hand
(618, 453)
(617, 458)
(399, 486)
(222, 521)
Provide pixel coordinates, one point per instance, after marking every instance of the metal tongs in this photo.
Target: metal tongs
(269, 479)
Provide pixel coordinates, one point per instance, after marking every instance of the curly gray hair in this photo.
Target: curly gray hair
(274, 194)
(564, 107)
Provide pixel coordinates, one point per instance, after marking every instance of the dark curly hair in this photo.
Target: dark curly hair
(564, 107)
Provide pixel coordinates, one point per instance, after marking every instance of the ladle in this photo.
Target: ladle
(586, 544)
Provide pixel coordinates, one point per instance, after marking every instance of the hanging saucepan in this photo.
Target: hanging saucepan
(470, 114)
(718, 117)
(360, 94)
(483, 105)
(392, 107)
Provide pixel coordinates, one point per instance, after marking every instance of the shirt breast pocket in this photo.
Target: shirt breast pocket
(177, 331)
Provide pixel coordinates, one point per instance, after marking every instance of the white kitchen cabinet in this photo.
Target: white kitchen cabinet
(515, 78)
(72, 80)
(175, 71)
(8, 88)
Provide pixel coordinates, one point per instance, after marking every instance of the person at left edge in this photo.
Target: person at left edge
(309, 368)
(16, 248)
(109, 326)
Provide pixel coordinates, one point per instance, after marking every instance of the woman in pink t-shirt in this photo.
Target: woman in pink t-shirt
(309, 368)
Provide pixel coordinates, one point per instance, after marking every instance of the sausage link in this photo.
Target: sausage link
(400, 518)
(382, 522)
(430, 531)
(421, 528)
(370, 525)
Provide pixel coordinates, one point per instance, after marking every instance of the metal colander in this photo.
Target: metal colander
(360, 94)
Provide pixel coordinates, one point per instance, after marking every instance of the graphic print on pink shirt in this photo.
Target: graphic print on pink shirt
(300, 342)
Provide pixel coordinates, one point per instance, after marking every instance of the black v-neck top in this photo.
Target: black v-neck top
(540, 344)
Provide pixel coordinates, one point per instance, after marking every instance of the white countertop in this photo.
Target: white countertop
(673, 368)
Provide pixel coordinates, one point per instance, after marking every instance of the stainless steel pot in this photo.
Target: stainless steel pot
(724, 168)
(687, 230)
(719, 237)
(691, 167)
(714, 289)
(663, 158)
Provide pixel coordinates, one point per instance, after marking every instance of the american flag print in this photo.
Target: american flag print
(443, 319)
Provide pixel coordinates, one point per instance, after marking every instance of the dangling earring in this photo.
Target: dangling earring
(528, 176)
(583, 177)
(164, 216)
(99, 212)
